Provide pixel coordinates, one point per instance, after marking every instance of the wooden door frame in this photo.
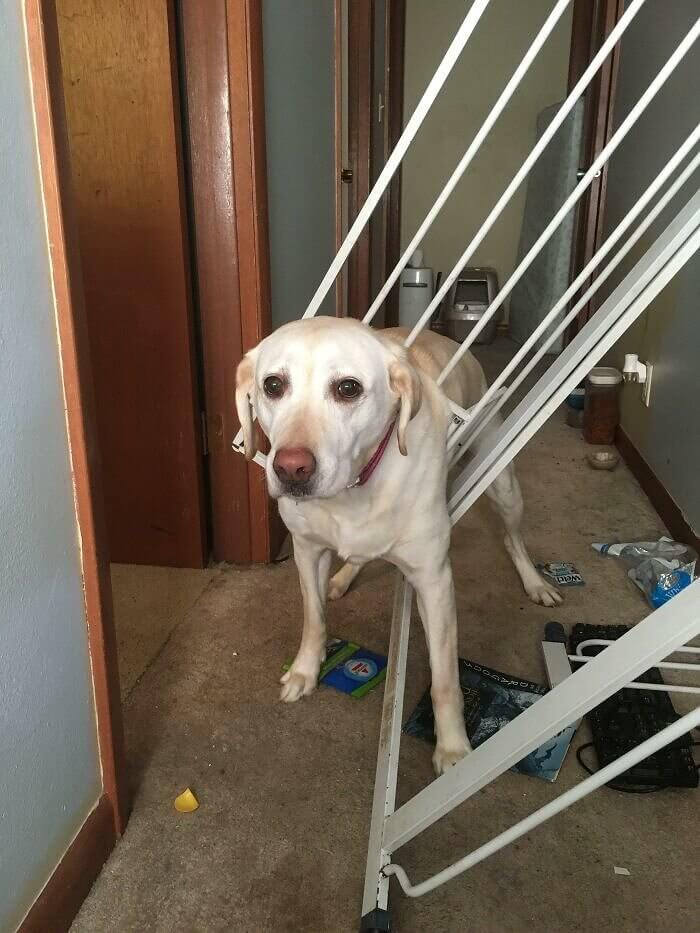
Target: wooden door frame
(592, 22)
(137, 278)
(360, 45)
(67, 888)
(361, 103)
(396, 34)
(222, 51)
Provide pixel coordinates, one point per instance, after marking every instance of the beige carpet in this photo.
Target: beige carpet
(149, 603)
(279, 840)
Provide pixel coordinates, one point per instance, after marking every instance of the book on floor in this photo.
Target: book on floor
(491, 700)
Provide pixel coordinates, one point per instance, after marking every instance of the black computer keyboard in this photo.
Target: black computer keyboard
(629, 717)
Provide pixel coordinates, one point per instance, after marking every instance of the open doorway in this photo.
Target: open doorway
(502, 35)
(333, 77)
(213, 220)
(159, 263)
(195, 672)
(173, 243)
(378, 57)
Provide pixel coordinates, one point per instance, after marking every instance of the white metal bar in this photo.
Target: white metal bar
(462, 417)
(467, 433)
(376, 884)
(556, 663)
(475, 419)
(424, 104)
(476, 478)
(466, 160)
(651, 273)
(512, 437)
(662, 632)
(579, 658)
(237, 445)
(665, 665)
(633, 116)
(662, 688)
(677, 729)
(524, 169)
(604, 642)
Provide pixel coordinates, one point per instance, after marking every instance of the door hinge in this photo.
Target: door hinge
(205, 434)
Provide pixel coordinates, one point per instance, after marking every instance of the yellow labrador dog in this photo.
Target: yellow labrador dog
(357, 427)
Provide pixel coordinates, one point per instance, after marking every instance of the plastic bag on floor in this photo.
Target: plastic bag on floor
(659, 568)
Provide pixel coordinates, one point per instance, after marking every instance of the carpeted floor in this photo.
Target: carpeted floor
(149, 604)
(278, 842)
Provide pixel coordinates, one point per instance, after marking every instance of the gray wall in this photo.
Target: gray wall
(667, 434)
(299, 129)
(49, 768)
(500, 40)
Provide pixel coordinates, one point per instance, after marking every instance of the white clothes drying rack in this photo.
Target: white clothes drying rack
(666, 630)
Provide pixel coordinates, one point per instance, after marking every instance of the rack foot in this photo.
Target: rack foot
(376, 921)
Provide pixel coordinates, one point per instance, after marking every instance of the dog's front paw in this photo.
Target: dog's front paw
(544, 594)
(297, 684)
(446, 756)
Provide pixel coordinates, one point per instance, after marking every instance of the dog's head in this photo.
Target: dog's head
(324, 391)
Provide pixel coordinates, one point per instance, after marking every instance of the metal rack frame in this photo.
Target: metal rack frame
(664, 631)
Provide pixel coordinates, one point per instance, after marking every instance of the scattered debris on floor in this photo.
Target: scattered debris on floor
(350, 668)
(660, 569)
(620, 871)
(629, 717)
(491, 700)
(186, 802)
(562, 572)
(603, 460)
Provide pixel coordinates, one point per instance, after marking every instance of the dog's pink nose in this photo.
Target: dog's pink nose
(294, 465)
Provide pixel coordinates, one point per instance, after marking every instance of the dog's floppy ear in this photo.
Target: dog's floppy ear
(245, 380)
(404, 381)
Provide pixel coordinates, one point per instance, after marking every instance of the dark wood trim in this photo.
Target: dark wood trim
(200, 543)
(222, 60)
(581, 39)
(52, 140)
(247, 110)
(396, 29)
(210, 168)
(593, 20)
(338, 141)
(359, 147)
(669, 512)
(69, 885)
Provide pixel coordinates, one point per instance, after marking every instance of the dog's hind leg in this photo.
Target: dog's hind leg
(507, 499)
(342, 579)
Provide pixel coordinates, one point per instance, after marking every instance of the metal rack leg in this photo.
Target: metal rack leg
(649, 747)
(664, 631)
(375, 914)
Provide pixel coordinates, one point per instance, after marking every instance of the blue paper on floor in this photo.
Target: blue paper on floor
(350, 668)
(492, 699)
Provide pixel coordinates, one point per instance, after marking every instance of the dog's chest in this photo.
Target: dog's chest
(349, 528)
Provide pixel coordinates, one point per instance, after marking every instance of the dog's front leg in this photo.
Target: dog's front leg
(436, 604)
(314, 564)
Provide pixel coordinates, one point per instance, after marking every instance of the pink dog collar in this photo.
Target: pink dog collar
(373, 462)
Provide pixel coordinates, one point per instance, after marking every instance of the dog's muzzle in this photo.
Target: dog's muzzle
(295, 468)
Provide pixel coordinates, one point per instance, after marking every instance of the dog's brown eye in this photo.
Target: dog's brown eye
(348, 389)
(273, 386)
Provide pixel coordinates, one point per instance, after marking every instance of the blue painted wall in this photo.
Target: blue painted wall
(49, 767)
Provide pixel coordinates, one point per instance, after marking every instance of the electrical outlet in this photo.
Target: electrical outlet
(646, 385)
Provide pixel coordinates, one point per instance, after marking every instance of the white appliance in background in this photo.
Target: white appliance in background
(416, 290)
(469, 299)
